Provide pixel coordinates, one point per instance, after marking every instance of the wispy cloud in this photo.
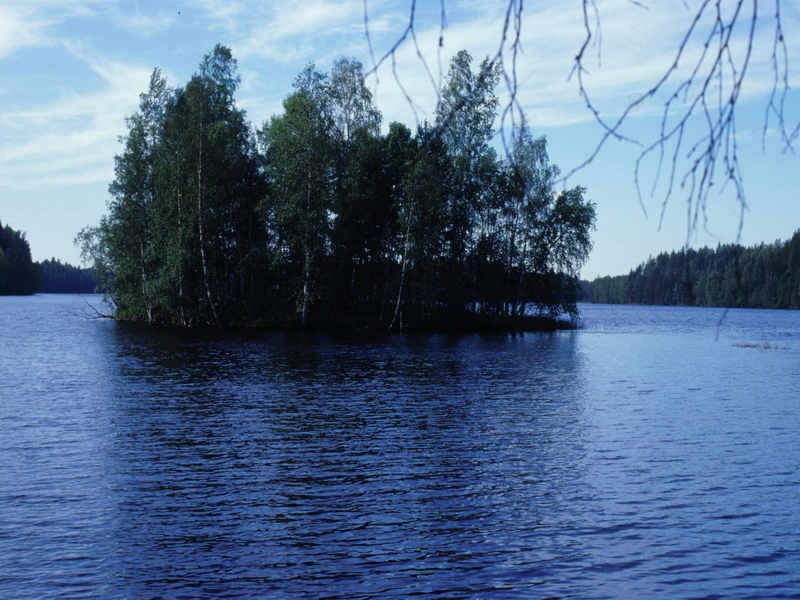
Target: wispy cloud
(148, 24)
(72, 139)
(34, 22)
(21, 26)
(285, 34)
(634, 46)
(223, 11)
(228, 16)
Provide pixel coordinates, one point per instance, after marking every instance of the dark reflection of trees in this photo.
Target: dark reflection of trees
(306, 462)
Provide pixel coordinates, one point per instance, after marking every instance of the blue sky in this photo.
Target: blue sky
(72, 71)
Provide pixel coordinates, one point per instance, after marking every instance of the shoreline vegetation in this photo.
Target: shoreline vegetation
(323, 218)
(728, 276)
(466, 323)
(21, 276)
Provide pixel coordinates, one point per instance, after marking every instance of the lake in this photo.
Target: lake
(653, 454)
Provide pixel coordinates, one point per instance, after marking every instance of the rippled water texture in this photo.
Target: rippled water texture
(654, 454)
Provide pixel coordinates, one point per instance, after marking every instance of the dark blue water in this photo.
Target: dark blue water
(654, 454)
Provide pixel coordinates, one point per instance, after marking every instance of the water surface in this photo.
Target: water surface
(653, 454)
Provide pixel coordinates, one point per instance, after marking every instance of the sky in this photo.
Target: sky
(72, 70)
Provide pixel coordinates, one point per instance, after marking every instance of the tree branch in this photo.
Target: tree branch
(706, 97)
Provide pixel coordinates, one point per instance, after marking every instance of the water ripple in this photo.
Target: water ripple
(642, 462)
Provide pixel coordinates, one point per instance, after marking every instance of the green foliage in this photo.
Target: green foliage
(19, 275)
(764, 276)
(63, 278)
(319, 218)
(351, 102)
(464, 121)
(300, 151)
(548, 233)
(182, 240)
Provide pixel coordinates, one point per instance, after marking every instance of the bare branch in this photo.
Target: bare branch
(700, 88)
(777, 100)
(90, 311)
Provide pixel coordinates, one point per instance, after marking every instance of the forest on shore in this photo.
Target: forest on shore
(21, 276)
(319, 218)
(730, 275)
(64, 278)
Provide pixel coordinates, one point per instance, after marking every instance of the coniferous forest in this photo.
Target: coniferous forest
(64, 278)
(317, 217)
(19, 275)
(763, 276)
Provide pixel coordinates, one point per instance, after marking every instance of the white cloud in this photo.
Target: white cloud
(223, 12)
(20, 27)
(632, 50)
(286, 34)
(72, 139)
(148, 24)
(59, 125)
(28, 23)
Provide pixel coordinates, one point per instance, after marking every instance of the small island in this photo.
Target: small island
(319, 219)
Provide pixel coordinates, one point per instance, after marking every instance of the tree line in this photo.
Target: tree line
(320, 217)
(64, 278)
(730, 275)
(21, 276)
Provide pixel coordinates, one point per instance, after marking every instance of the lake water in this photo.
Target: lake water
(653, 454)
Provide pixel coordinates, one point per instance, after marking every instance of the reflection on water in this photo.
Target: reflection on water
(312, 465)
(618, 461)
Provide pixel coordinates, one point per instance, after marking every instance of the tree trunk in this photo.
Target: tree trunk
(397, 311)
(201, 230)
(306, 287)
(148, 306)
(519, 307)
(307, 266)
(181, 290)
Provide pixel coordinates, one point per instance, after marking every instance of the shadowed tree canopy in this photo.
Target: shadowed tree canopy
(63, 278)
(19, 275)
(730, 275)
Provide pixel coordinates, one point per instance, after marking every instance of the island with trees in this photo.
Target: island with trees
(318, 218)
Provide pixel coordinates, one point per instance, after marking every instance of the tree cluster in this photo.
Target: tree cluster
(64, 278)
(319, 217)
(764, 276)
(19, 275)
